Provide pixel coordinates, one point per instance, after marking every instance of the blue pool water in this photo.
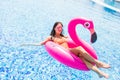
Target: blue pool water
(113, 3)
(30, 21)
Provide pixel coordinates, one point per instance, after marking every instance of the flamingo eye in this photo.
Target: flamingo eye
(86, 24)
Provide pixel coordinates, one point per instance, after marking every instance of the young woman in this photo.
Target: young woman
(57, 37)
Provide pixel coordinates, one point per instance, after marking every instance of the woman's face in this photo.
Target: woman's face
(58, 28)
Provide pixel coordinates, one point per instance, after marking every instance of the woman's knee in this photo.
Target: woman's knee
(81, 50)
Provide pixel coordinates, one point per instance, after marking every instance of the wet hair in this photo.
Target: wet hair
(53, 29)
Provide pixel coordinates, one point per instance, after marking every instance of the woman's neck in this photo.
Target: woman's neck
(57, 35)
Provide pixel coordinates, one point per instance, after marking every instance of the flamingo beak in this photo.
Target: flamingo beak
(93, 37)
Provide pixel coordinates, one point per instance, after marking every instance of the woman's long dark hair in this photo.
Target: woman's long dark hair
(53, 29)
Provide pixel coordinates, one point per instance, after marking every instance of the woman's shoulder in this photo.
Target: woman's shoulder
(50, 38)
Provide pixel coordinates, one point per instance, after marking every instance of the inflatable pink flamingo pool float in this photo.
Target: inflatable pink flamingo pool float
(65, 56)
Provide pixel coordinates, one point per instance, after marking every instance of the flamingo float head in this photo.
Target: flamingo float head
(87, 24)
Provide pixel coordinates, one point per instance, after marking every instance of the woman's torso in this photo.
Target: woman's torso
(61, 41)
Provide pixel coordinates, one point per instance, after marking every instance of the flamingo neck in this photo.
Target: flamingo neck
(72, 30)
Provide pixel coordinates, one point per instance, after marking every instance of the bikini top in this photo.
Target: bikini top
(52, 38)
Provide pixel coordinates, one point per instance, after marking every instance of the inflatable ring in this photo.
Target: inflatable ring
(65, 56)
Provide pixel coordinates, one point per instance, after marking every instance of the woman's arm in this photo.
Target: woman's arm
(37, 44)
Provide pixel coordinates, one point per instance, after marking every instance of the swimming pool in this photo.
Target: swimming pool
(23, 21)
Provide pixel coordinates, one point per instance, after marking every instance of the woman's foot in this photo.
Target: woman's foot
(100, 64)
(102, 74)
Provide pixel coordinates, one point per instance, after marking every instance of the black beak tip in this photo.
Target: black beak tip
(93, 37)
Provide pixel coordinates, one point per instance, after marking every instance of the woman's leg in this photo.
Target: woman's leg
(94, 68)
(79, 51)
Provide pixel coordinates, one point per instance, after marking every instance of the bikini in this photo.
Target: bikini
(68, 46)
